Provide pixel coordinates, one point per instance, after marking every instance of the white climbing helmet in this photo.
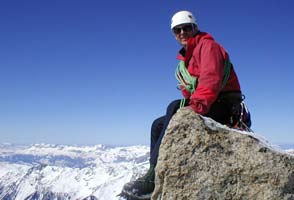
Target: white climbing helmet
(182, 17)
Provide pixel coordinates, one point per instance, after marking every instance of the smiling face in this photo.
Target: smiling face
(184, 31)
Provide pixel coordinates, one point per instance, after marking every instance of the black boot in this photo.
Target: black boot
(143, 185)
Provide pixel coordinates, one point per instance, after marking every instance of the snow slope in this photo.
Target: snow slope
(44, 171)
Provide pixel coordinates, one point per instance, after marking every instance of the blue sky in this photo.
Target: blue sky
(99, 72)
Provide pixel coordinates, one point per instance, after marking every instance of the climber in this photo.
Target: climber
(208, 83)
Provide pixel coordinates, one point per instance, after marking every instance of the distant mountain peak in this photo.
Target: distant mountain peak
(48, 171)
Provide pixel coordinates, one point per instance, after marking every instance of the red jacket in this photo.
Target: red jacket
(204, 58)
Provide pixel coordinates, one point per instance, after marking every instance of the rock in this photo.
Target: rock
(201, 159)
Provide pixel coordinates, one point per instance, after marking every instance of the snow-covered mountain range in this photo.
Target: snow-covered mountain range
(48, 172)
(60, 172)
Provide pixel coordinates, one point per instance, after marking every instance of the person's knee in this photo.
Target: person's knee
(173, 106)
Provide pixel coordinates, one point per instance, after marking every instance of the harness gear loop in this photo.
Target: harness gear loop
(242, 123)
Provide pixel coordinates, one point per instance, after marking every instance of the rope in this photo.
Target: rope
(190, 82)
(184, 78)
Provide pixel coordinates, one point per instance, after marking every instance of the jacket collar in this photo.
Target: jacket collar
(186, 54)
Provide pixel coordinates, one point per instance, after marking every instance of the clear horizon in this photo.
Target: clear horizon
(282, 146)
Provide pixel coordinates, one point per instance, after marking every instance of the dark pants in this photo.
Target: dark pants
(219, 111)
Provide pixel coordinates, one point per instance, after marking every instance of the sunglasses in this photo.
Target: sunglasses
(185, 28)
